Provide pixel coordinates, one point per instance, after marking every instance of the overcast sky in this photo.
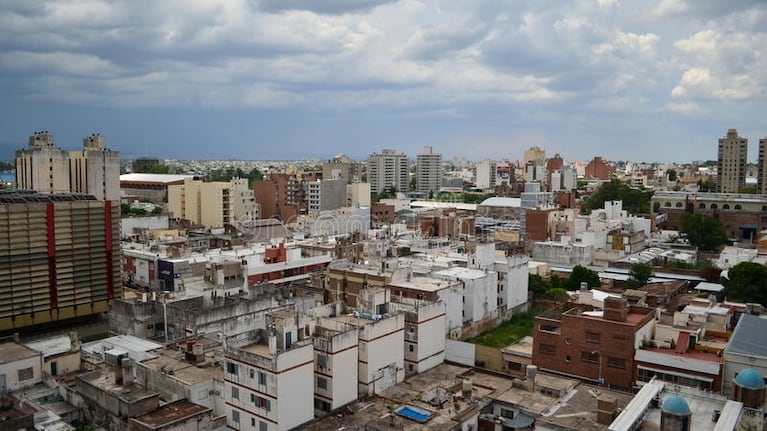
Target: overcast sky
(642, 80)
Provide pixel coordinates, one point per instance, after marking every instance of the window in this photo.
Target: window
(253, 422)
(592, 337)
(410, 367)
(547, 349)
(726, 206)
(702, 206)
(738, 207)
(231, 368)
(322, 361)
(590, 357)
(714, 206)
(547, 327)
(262, 403)
(252, 373)
(26, 374)
(261, 378)
(262, 426)
(618, 363)
(506, 413)
(410, 347)
(322, 383)
(235, 392)
(235, 416)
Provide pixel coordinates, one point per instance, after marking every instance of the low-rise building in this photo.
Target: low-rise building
(593, 345)
(269, 376)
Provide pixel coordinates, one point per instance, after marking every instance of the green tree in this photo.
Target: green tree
(158, 168)
(635, 201)
(639, 275)
(747, 282)
(706, 185)
(556, 293)
(537, 284)
(672, 176)
(582, 274)
(703, 231)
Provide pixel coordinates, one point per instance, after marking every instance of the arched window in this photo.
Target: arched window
(738, 207)
(702, 206)
(726, 206)
(667, 204)
(679, 205)
(714, 206)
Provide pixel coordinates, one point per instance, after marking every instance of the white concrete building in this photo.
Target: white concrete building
(324, 195)
(388, 170)
(20, 366)
(428, 171)
(336, 356)
(480, 292)
(485, 176)
(424, 333)
(267, 383)
(513, 279)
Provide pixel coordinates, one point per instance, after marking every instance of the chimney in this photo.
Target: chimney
(607, 407)
(615, 309)
(530, 372)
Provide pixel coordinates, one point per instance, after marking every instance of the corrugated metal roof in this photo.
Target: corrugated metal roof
(749, 337)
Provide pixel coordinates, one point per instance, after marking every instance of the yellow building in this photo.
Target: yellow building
(213, 204)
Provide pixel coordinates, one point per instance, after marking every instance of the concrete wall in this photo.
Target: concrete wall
(381, 354)
(460, 352)
(490, 357)
(295, 403)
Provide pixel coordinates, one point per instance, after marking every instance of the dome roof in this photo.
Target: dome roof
(676, 405)
(750, 378)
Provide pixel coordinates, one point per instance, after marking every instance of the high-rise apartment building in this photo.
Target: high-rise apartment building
(342, 167)
(534, 154)
(428, 171)
(323, 195)
(281, 196)
(59, 257)
(732, 162)
(762, 168)
(94, 170)
(388, 170)
(486, 174)
(213, 204)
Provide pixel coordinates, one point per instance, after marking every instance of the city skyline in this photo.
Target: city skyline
(297, 80)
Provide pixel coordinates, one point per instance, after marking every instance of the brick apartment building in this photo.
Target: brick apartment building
(592, 345)
(381, 214)
(344, 282)
(281, 196)
(598, 168)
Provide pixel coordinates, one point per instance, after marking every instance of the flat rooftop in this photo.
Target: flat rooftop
(577, 410)
(424, 284)
(523, 347)
(184, 371)
(377, 412)
(51, 346)
(104, 379)
(461, 272)
(12, 352)
(702, 406)
(170, 413)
